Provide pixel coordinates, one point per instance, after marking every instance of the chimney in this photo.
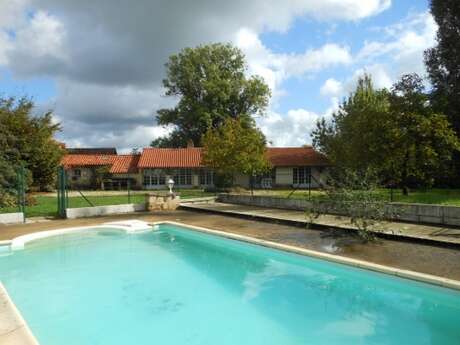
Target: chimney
(190, 143)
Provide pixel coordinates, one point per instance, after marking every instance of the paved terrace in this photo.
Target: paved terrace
(444, 235)
(420, 257)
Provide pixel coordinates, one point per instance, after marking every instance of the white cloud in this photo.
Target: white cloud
(404, 44)
(11, 12)
(277, 67)
(108, 61)
(331, 87)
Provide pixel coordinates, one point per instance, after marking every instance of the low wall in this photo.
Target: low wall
(83, 212)
(11, 218)
(414, 213)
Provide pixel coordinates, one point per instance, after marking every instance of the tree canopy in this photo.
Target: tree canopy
(28, 140)
(443, 60)
(211, 85)
(235, 148)
(397, 133)
(353, 134)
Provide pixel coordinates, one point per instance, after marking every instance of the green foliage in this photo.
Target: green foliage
(398, 134)
(443, 60)
(353, 138)
(235, 148)
(355, 195)
(421, 141)
(211, 85)
(27, 140)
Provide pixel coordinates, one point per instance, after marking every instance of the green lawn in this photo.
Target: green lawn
(47, 205)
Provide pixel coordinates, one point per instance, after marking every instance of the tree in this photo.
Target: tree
(211, 85)
(421, 140)
(353, 194)
(443, 61)
(28, 140)
(443, 66)
(353, 137)
(235, 148)
(398, 134)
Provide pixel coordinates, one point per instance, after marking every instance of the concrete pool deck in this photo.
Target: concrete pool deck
(419, 257)
(430, 233)
(13, 329)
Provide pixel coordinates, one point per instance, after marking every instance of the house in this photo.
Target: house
(299, 167)
(183, 165)
(101, 168)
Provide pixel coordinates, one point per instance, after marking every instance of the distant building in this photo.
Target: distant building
(103, 168)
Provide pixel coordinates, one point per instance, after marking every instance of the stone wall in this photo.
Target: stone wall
(414, 213)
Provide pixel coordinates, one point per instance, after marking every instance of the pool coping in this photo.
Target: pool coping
(14, 329)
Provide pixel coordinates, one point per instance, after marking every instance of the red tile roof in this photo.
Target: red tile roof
(296, 156)
(170, 158)
(119, 164)
(125, 164)
(191, 157)
(72, 160)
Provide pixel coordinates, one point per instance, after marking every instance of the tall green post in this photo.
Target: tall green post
(129, 191)
(21, 189)
(62, 193)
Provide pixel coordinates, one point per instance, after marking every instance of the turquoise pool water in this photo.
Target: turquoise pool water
(176, 286)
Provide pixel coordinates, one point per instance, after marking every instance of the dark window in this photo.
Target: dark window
(301, 175)
(154, 178)
(77, 172)
(206, 177)
(183, 177)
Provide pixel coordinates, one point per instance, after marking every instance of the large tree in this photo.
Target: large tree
(28, 140)
(211, 85)
(422, 140)
(235, 147)
(352, 138)
(443, 60)
(398, 134)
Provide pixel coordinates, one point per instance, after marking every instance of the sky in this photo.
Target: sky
(98, 65)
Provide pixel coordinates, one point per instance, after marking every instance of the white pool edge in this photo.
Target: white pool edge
(407, 274)
(15, 330)
(130, 226)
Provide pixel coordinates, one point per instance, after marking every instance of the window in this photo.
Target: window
(206, 177)
(154, 178)
(147, 180)
(76, 174)
(301, 175)
(265, 180)
(182, 177)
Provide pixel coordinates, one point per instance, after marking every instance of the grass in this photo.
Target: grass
(46, 205)
(431, 196)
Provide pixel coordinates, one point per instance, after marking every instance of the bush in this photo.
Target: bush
(354, 195)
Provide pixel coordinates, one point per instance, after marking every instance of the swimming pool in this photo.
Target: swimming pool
(177, 286)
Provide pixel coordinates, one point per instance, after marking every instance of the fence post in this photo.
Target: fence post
(62, 193)
(129, 191)
(21, 190)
